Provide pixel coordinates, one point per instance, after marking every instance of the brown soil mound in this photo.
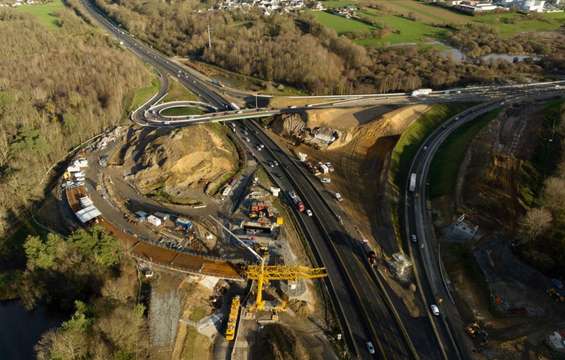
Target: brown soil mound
(278, 342)
(184, 161)
(361, 160)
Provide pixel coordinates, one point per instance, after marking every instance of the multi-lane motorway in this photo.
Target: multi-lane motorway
(365, 310)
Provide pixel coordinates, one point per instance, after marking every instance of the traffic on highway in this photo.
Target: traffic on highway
(371, 325)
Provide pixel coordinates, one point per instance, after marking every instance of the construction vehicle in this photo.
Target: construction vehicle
(232, 319)
(557, 290)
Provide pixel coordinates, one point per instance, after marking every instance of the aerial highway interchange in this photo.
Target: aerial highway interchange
(364, 308)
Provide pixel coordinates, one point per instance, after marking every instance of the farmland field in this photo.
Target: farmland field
(425, 13)
(404, 30)
(427, 20)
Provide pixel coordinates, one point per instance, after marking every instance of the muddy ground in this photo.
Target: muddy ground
(492, 285)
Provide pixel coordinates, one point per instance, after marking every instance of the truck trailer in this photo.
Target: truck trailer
(412, 182)
(421, 92)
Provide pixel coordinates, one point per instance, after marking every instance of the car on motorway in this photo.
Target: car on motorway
(370, 348)
(435, 309)
(247, 139)
(326, 180)
(275, 162)
(413, 238)
(309, 212)
(258, 147)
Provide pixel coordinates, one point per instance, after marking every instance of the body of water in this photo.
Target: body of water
(20, 330)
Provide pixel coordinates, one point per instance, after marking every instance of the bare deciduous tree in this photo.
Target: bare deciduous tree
(535, 222)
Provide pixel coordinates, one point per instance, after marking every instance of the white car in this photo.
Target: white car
(309, 212)
(247, 139)
(435, 309)
(370, 347)
(326, 180)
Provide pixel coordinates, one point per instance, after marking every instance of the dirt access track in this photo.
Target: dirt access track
(160, 256)
(361, 158)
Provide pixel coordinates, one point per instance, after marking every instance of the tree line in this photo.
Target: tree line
(298, 51)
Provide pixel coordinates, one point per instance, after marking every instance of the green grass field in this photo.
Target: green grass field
(427, 18)
(445, 165)
(412, 138)
(144, 94)
(182, 111)
(522, 23)
(331, 4)
(44, 12)
(339, 23)
(404, 30)
(178, 92)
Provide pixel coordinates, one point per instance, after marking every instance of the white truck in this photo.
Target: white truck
(412, 186)
(421, 92)
(234, 106)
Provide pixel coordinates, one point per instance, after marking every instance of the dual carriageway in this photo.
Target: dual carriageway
(363, 305)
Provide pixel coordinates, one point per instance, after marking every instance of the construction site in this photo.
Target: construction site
(223, 253)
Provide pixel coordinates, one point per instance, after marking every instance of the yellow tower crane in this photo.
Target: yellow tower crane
(265, 273)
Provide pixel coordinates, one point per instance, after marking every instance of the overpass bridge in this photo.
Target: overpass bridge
(153, 115)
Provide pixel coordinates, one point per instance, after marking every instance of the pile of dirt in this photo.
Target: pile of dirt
(289, 125)
(182, 162)
(278, 342)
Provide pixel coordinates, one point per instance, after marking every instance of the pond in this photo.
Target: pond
(458, 56)
(20, 330)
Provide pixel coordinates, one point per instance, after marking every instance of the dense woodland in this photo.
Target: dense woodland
(85, 273)
(298, 51)
(58, 87)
